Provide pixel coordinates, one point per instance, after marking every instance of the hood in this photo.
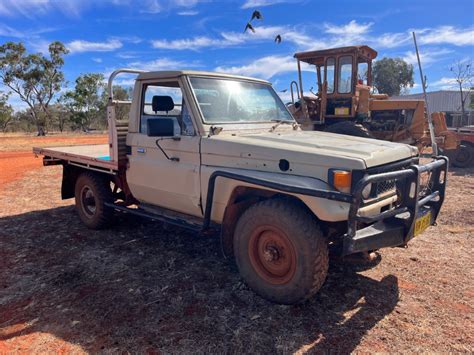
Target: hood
(301, 149)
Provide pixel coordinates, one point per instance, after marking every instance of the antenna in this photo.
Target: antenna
(428, 112)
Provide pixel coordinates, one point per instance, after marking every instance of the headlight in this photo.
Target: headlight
(366, 191)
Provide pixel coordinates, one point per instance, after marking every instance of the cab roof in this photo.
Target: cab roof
(317, 57)
(173, 74)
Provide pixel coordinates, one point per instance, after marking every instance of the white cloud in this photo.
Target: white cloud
(73, 8)
(97, 60)
(227, 39)
(39, 45)
(332, 36)
(348, 34)
(426, 57)
(7, 31)
(188, 13)
(186, 3)
(448, 35)
(444, 84)
(188, 43)
(151, 7)
(35, 8)
(127, 55)
(261, 3)
(351, 29)
(162, 64)
(265, 67)
(130, 39)
(80, 46)
(4, 10)
(391, 40)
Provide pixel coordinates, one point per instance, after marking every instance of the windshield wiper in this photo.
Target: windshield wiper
(279, 122)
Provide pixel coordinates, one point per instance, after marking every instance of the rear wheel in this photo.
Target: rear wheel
(349, 128)
(91, 193)
(463, 156)
(280, 251)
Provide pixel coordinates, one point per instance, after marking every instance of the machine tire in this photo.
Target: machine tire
(280, 251)
(349, 128)
(463, 157)
(91, 192)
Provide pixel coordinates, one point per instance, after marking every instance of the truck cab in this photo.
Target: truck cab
(221, 154)
(343, 75)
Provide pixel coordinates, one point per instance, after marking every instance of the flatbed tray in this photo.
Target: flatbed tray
(93, 156)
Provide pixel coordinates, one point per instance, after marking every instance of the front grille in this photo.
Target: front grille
(384, 186)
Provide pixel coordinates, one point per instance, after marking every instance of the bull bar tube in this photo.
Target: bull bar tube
(395, 227)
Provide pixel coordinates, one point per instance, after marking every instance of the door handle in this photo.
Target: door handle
(141, 150)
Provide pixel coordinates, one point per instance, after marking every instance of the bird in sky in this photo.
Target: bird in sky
(256, 15)
(278, 39)
(249, 27)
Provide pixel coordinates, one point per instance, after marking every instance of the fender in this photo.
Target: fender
(287, 184)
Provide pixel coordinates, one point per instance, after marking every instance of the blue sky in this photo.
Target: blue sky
(103, 35)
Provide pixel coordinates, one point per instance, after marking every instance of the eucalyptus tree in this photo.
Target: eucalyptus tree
(35, 78)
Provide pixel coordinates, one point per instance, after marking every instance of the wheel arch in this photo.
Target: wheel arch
(241, 198)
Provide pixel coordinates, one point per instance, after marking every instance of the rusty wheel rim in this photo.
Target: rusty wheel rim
(272, 255)
(88, 203)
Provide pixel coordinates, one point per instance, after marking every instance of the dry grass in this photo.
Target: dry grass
(145, 287)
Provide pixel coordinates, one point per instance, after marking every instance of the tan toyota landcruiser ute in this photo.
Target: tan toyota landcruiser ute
(221, 153)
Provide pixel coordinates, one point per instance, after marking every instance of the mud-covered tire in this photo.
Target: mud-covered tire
(92, 191)
(463, 156)
(349, 128)
(280, 251)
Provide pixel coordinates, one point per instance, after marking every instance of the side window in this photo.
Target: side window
(344, 85)
(362, 72)
(330, 69)
(169, 103)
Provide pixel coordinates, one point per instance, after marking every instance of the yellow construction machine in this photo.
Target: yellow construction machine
(345, 102)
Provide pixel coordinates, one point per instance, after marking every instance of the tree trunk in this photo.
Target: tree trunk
(39, 127)
(462, 105)
(41, 131)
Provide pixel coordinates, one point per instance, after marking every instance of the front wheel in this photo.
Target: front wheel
(280, 251)
(92, 191)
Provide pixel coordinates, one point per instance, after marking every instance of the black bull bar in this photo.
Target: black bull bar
(390, 228)
(396, 227)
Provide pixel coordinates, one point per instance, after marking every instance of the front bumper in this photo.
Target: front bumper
(396, 227)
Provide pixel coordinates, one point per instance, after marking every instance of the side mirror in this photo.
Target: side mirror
(160, 127)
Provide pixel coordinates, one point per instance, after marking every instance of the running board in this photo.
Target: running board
(170, 217)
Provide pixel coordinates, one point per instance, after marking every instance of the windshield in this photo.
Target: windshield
(227, 101)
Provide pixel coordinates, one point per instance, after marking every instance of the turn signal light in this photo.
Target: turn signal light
(342, 180)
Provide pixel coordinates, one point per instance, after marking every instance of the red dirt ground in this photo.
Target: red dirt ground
(16, 156)
(144, 287)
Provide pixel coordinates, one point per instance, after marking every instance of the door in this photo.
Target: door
(165, 171)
